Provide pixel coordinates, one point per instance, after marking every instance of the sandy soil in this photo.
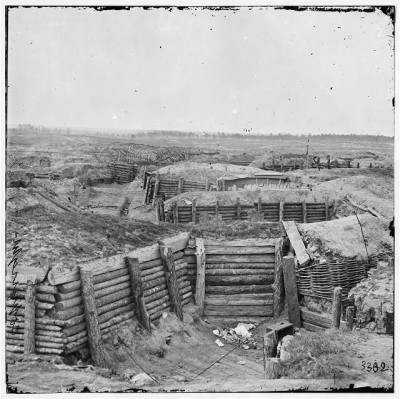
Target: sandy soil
(343, 237)
(185, 358)
(201, 171)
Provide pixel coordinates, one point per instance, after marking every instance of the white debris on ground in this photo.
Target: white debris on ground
(240, 335)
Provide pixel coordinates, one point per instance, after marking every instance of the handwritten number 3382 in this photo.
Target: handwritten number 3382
(375, 367)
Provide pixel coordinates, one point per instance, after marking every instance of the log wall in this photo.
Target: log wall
(170, 187)
(239, 278)
(61, 326)
(299, 212)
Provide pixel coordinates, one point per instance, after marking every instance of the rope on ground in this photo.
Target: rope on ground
(213, 363)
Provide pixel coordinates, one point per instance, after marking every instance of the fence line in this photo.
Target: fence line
(300, 212)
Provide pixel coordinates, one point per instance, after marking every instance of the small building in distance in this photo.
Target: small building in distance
(262, 179)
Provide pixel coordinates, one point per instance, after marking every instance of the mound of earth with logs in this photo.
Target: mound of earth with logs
(203, 171)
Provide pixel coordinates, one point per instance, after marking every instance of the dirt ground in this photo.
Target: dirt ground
(184, 357)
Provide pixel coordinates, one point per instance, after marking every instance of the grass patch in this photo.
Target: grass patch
(316, 355)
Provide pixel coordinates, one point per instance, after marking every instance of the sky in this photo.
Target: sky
(261, 70)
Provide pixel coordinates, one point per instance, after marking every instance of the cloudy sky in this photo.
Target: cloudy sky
(200, 70)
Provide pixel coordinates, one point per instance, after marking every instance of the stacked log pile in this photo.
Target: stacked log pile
(61, 325)
(300, 212)
(239, 278)
(122, 172)
(49, 339)
(156, 295)
(113, 299)
(166, 188)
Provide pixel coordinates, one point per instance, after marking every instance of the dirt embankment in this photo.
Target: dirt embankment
(344, 237)
(203, 171)
(246, 197)
(68, 237)
(372, 188)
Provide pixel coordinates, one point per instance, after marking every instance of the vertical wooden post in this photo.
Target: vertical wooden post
(156, 187)
(93, 329)
(207, 185)
(327, 208)
(278, 281)
(281, 206)
(238, 208)
(147, 190)
(289, 278)
(29, 320)
(263, 165)
(162, 210)
(176, 214)
(157, 211)
(217, 210)
(259, 205)
(167, 257)
(200, 274)
(328, 161)
(194, 211)
(75, 194)
(180, 185)
(350, 317)
(304, 212)
(137, 291)
(336, 307)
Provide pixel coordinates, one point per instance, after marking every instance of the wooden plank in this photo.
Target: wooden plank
(312, 327)
(239, 289)
(239, 280)
(227, 301)
(236, 266)
(92, 325)
(138, 291)
(297, 242)
(211, 310)
(336, 307)
(250, 250)
(29, 322)
(281, 206)
(318, 319)
(58, 276)
(166, 253)
(146, 254)
(240, 258)
(278, 282)
(251, 242)
(304, 212)
(289, 278)
(200, 273)
(238, 272)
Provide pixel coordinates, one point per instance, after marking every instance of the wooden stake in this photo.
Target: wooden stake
(138, 292)
(278, 283)
(281, 205)
(289, 277)
(259, 207)
(194, 211)
(350, 317)
(336, 307)
(304, 212)
(29, 322)
(217, 210)
(176, 214)
(167, 257)
(157, 211)
(92, 325)
(156, 186)
(327, 208)
(201, 273)
(180, 185)
(238, 208)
